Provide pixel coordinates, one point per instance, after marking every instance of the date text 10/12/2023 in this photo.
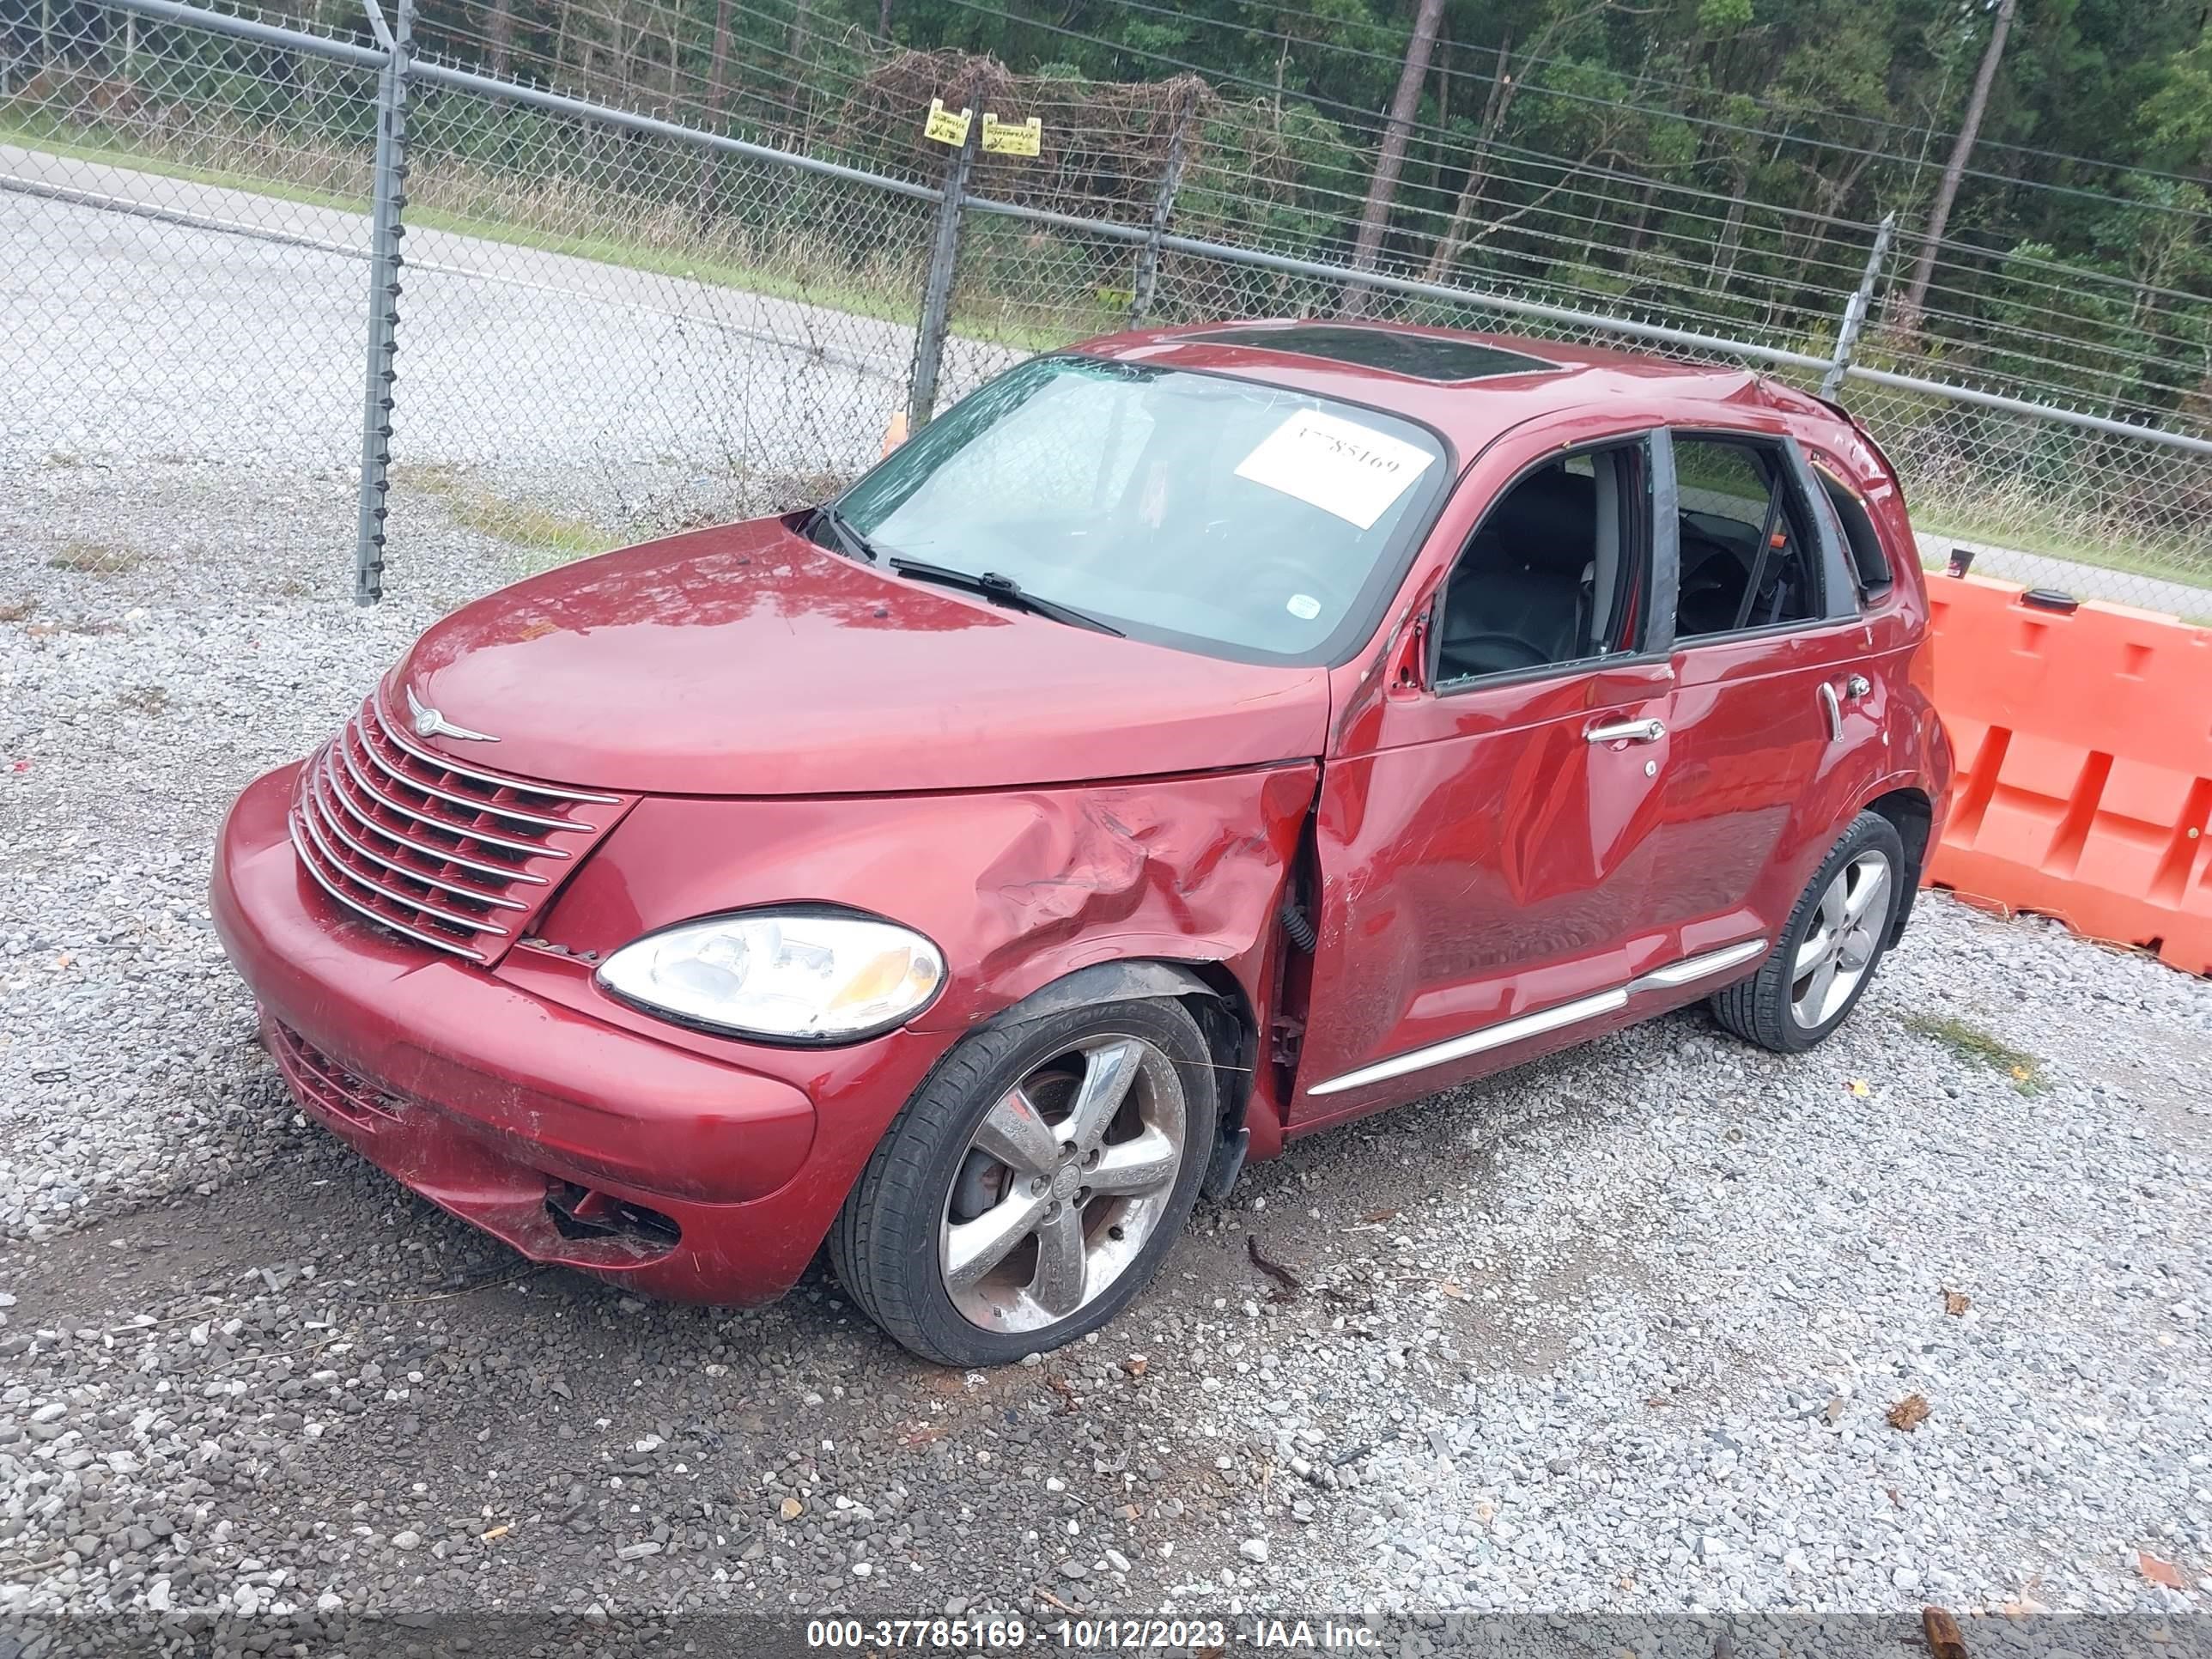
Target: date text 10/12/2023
(1137, 1633)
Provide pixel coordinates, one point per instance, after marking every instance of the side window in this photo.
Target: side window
(1870, 563)
(1557, 570)
(1748, 558)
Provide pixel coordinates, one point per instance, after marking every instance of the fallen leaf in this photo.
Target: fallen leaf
(1452, 1288)
(1859, 1087)
(1136, 1364)
(1908, 1412)
(2161, 1572)
(1894, 1499)
(793, 1509)
(1375, 1218)
(1060, 1386)
(1657, 1401)
(1955, 1303)
(1941, 1631)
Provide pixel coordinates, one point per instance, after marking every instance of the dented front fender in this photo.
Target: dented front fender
(1017, 887)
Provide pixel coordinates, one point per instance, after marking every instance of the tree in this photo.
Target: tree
(1505, 84)
(499, 36)
(1907, 315)
(1390, 159)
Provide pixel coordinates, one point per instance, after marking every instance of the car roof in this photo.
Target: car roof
(1467, 386)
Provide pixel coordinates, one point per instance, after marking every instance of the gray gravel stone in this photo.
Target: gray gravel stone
(1620, 1327)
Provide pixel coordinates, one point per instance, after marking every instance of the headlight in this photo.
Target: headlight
(788, 975)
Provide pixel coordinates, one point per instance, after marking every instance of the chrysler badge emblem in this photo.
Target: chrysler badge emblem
(429, 723)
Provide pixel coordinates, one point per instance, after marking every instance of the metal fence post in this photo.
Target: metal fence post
(1148, 256)
(388, 203)
(1854, 310)
(937, 291)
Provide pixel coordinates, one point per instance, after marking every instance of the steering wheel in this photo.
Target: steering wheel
(1472, 653)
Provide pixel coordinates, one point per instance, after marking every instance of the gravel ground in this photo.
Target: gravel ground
(1620, 1330)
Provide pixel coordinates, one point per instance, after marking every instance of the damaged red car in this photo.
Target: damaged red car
(1190, 741)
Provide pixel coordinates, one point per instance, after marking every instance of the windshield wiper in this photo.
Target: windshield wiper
(1002, 590)
(848, 535)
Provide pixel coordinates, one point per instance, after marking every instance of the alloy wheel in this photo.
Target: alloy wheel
(1064, 1181)
(1841, 944)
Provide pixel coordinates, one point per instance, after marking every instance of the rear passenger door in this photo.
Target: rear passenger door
(1774, 696)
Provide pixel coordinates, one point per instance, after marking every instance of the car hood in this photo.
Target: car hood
(746, 660)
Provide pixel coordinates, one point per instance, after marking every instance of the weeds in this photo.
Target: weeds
(472, 507)
(1974, 1045)
(91, 558)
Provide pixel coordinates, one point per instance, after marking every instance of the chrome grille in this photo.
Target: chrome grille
(445, 854)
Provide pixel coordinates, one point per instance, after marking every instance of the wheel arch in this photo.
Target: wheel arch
(1911, 813)
(1214, 997)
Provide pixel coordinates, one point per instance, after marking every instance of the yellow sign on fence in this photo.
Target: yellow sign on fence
(1012, 138)
(946, 128)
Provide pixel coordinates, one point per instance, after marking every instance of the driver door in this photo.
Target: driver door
(1485, 834)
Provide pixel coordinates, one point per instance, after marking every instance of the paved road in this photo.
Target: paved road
(150, 316)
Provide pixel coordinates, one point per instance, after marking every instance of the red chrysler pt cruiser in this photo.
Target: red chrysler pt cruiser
(1192, 740)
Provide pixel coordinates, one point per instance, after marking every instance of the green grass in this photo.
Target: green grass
(1976, 1047)
(996, 324)
(472, 507)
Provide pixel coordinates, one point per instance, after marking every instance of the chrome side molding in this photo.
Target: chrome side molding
(1691, 968)
(1687, 971)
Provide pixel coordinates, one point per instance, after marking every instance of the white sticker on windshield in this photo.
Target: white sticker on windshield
(1335, 465)
(1304, 606)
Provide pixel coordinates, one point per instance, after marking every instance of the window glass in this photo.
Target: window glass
(1870, 563)
(1422, 356)
(1556, 571)
(1748, 558)
(1205, 511)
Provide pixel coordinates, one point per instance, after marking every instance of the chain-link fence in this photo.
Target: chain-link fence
(565, 320)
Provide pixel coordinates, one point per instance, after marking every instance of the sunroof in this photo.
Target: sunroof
(1420, 356)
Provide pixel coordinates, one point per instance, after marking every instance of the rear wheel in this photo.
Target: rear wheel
(1827, 953)
(1032, 1184)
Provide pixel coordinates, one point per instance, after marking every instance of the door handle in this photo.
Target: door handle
(1833, 710)
(1627, 732)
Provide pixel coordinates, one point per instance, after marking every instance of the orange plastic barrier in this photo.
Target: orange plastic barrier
(2084, 783)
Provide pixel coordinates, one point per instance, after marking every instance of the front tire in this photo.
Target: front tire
(1830, 948)
(1031, 1186)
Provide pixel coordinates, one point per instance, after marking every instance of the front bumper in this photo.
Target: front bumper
(490, 1098)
